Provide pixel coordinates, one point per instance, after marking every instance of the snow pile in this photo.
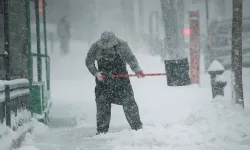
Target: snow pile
(10, 136)
(7, 136)
(181, 118)
(215, 126)
(27, 144)
(22, 116)
(4, 130)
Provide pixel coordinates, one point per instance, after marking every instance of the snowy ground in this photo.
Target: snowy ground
(9, 135)
(179, 118)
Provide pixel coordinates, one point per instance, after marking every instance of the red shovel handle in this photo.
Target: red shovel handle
(134, 75)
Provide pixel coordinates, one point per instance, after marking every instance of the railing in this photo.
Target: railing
(47, 65)
(14, 102)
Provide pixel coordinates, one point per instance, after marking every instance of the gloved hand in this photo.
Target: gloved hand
(108, 75)
(140, 74)
(100, 76)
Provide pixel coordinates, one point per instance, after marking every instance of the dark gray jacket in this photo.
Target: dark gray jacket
(123, 50)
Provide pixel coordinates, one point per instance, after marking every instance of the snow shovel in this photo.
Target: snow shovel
(134, 75)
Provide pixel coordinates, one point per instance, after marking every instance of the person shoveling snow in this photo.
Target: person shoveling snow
(112, 54)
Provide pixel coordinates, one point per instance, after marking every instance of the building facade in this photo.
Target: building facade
(18, 40)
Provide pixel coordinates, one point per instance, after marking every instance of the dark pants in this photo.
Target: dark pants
(64, 45)
(124, 96)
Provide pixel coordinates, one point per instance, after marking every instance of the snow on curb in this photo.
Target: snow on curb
(13, 139)
(27, 143)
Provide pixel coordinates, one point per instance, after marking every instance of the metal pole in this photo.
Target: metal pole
(7, 60)
(6, 38)
(39, 60)
(236, 77)
(8, 105)
(30, 58)
(45, 45)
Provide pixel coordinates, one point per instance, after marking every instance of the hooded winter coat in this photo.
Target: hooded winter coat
(122, 49)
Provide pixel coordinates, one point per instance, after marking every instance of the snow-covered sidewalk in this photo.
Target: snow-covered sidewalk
(174, 118)
(179, 118)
